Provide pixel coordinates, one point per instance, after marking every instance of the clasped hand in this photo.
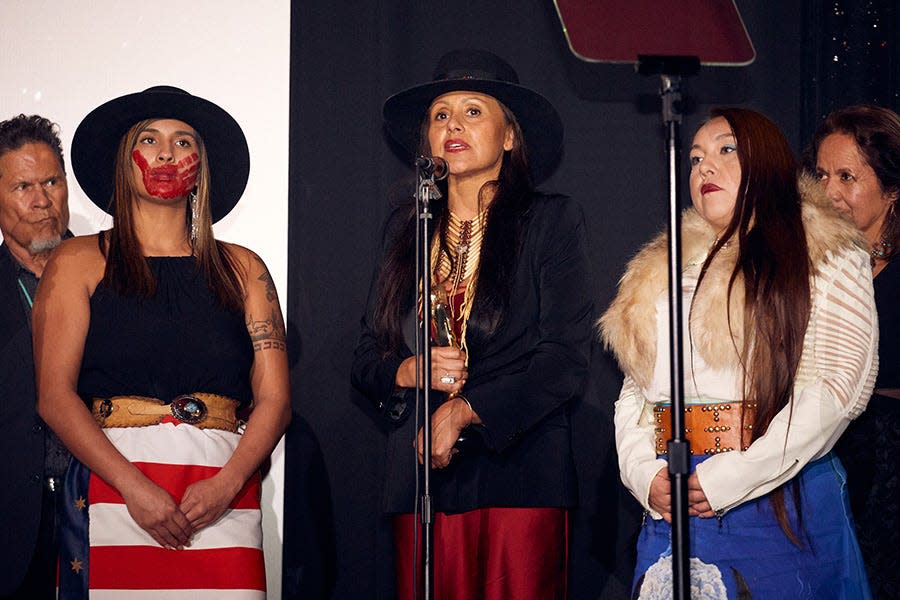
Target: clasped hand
(172, 525)
(448, 370)
(661, 496)
(448, 375)
(448, 420)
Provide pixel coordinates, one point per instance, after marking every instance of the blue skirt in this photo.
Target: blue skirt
(745, 554)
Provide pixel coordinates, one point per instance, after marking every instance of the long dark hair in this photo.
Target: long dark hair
(773, 261)
(876, 131)
(506, 213)
(127, 271)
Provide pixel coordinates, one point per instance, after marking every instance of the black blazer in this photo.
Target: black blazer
(21, 434)
(521, 383)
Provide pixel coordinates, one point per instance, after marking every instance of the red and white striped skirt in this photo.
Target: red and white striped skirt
(106, 554)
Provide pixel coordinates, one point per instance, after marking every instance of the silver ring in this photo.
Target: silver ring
(448, 379)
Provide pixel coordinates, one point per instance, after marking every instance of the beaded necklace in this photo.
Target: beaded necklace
(463, 242)
(457, 264)
(879, 251)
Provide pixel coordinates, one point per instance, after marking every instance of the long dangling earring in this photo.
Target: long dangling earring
(194, 215)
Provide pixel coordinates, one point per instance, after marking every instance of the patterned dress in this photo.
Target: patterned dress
(179, 341)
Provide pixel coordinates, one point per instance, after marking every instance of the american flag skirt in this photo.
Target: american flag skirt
(105, 554)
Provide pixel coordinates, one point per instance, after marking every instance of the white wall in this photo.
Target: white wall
(61, 59)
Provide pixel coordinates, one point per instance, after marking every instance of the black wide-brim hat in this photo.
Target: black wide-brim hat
(97, 138)
(487, 73)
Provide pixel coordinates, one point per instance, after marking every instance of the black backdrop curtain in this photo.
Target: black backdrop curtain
(850, 57)
(346, 58)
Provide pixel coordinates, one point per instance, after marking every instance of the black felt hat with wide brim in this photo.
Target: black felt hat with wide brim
(484, 72)
(97, 138)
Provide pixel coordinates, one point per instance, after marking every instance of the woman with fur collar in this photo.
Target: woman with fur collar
(780, 353)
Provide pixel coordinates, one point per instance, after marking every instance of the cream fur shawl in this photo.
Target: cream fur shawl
(628, 327)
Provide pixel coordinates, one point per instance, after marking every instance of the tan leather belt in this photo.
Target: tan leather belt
(710, 428)
(202, 410)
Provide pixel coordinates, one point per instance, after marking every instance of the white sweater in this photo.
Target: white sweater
(835, 379)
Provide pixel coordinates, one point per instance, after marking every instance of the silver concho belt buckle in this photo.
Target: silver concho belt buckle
(188, 409)
(106, 408)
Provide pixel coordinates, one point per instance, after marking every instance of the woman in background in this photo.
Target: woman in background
(779, 358)
(149, 338)
(857, 158)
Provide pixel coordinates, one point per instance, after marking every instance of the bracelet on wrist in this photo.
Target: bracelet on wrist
(466, 400)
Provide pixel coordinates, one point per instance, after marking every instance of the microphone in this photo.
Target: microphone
(433, 166)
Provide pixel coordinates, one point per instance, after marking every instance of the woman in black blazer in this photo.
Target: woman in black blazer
(510, 265)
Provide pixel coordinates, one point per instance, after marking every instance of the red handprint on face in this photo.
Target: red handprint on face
(168, 181)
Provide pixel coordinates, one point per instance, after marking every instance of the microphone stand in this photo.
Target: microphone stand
(426, 191)
(671, 69)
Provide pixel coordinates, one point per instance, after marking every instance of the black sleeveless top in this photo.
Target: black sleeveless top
(179, 341)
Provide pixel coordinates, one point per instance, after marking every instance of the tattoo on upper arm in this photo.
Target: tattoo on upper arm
(271, 294)
(267, 332)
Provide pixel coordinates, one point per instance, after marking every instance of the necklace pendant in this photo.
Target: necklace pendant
(460, 248)
(879, 251)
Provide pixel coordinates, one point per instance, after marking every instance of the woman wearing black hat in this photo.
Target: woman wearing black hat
(510, 265)
(149, 338)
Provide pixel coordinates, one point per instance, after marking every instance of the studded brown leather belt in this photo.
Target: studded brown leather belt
(202, 410)
(710, 428)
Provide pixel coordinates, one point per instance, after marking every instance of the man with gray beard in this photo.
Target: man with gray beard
(34, 215)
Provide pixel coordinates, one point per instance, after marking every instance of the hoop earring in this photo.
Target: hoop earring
(194, 215)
